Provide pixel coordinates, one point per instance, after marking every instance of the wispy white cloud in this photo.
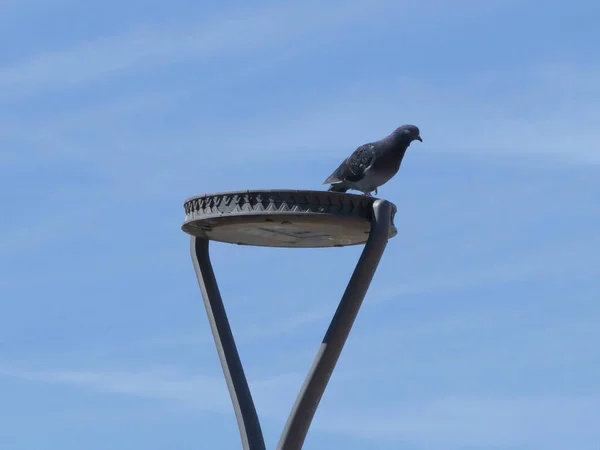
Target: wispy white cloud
(174, 387)
(449, 349)
(146, 47)
(489, 422)
(246, 31)
(433, 424)
(355, 112)
(361, 112)
(454, 117)
(570, 257)
(206, 393)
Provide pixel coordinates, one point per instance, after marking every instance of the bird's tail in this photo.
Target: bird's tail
(338, 187)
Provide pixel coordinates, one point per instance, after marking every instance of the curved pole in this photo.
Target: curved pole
(245, 412)
(308, 399)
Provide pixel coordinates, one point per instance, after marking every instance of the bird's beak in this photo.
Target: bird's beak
(419, 139)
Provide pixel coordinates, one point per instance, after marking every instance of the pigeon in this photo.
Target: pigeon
(374, 164)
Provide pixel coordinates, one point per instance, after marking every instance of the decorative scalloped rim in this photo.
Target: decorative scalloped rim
(278, 201)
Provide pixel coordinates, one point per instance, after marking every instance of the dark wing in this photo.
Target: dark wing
(353, 168)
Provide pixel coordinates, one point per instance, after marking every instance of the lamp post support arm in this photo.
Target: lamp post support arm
(245, 411)
(308, 399)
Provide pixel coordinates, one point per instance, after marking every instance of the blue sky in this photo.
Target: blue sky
(481, 328)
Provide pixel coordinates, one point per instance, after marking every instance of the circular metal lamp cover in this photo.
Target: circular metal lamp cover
(282, 218)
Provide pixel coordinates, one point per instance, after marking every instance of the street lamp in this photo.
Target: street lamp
(293, 219)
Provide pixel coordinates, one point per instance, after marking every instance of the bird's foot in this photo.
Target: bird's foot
(375, 191)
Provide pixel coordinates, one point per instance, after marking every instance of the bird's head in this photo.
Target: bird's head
(407, 134)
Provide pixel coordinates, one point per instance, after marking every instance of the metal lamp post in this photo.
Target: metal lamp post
(294, 219)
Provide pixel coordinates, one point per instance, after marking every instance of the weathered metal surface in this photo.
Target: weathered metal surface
(282, 218)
